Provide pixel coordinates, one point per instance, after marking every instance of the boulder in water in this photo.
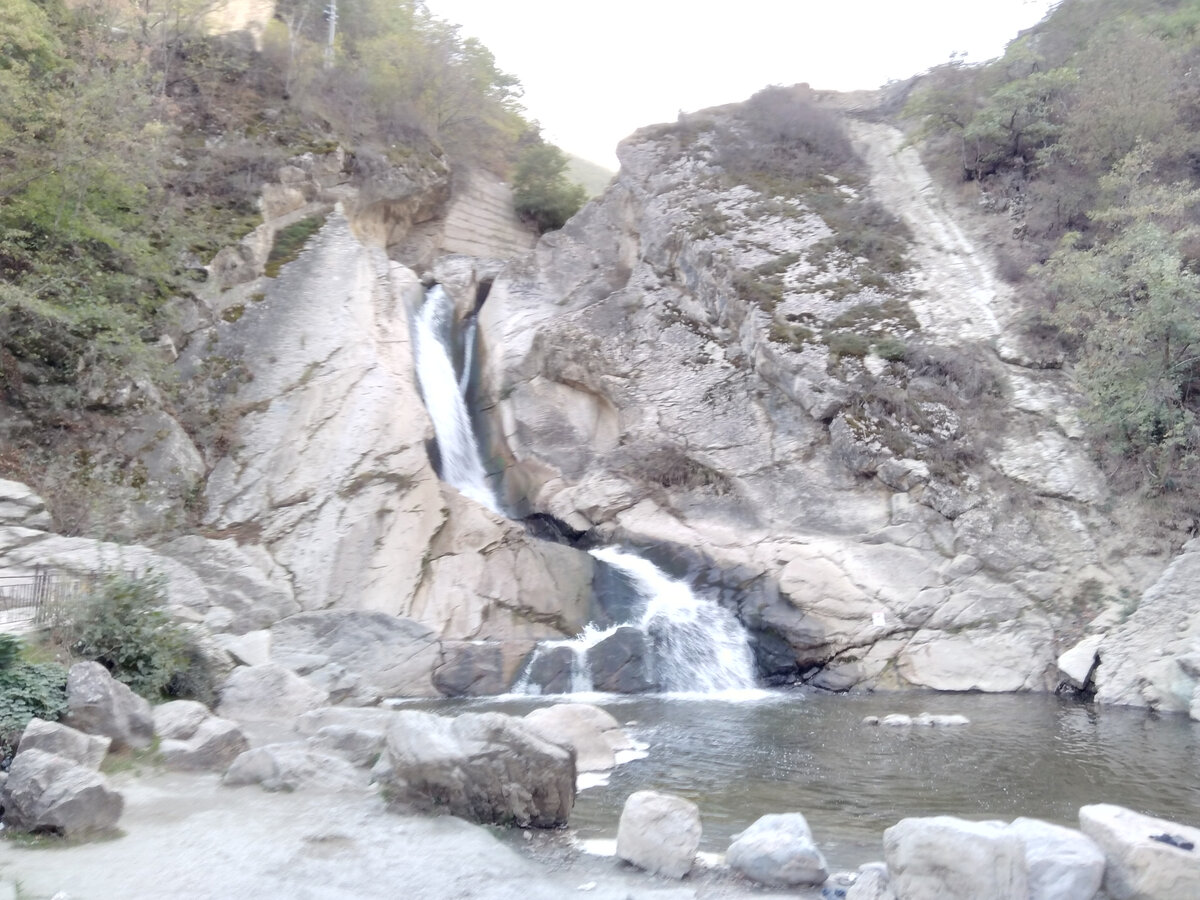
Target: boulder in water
(778, 850)
(1147, 858)
(488, 768)
(480, 668)
(659, 833)
(619, 663)
(872, 883)
(593, 734)
(551, 670)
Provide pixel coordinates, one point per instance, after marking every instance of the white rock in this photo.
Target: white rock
(87, 750)
(292, 766)
(778, 850)
(250, 649)
(1077, 664)
(594, 735)
(213, 746)
(1138, 866)
(45, 792)
(941, 857)
(1063, 864)
(179, 719)
(872, 883)
(659, 833)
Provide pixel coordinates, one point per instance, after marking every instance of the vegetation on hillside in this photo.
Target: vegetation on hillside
(1086, 133)
(132, 148)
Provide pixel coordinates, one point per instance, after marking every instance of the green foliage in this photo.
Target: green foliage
(27, 691)
(123, 625)
(541, 191)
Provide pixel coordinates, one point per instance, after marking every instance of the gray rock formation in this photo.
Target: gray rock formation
(1147, 858)
(87, 750)
(480, 668)
(393, 656)
(486, 767)
(592, 733)
(360, 746)
(872, 883)
(267, 693)
(99, 704)
(50, 794)
(636, 387)
(194, 739)
(291, 767)
(659, 833)
(619, 662)
(1144, 660)
(778, 850)
(939, 857)
(20, 506)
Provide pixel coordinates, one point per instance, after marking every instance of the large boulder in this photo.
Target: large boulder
(778, 850)
(480, 668)
(292, 766)
(267, 692)
(940, 857)
(179, 719)
(485, 767)
(659, 833)
(19, 505)
(47, 793)
(99, 704)
(87, 750)
(1147, 858)
(593, 734)
(393, 656)
(1063, 864)
(552, 670)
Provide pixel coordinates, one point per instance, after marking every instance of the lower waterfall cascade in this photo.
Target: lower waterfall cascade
(692, 644)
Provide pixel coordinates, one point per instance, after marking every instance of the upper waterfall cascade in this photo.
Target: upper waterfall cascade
(445, 399)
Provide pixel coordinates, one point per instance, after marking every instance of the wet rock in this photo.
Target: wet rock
(87, 750)
(551, 669)
(47, 793)
(659, 833)
(1063, 864)
(941, 856)
(1146, 858)
(778, 850)
(480, 668)
(1077, 665)
(619, 663)
(267, 692)
(592, 733)
(212, 746)
(291, 767)
(99, 704)
(487, 767)
(393, 656)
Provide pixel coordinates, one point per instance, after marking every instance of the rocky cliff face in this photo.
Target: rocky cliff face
(922, 516)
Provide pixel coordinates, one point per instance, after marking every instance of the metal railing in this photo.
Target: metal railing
(34, 597)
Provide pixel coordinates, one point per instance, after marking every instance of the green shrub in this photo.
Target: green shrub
(891, 348)
(123, 625)
(27, 690)
(843, 343)
(542, 194)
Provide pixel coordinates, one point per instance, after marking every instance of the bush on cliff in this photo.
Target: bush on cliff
(541, 191)
(27, 690)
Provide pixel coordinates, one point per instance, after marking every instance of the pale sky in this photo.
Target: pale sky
(595, 72)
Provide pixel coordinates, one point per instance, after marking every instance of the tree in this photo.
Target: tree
(541, 192)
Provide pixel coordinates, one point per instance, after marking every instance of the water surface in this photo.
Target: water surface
(1022, 755)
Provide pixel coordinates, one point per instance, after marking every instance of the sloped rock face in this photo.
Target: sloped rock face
(929, 518)
(328, 463)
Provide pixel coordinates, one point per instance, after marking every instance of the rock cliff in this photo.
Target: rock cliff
(914, 509)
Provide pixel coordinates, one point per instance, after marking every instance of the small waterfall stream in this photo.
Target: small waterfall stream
(445, 399)
(691, 644)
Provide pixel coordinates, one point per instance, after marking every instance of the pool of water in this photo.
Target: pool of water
(1021, 755)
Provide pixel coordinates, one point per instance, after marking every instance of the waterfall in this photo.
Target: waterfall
(461, 467)
(691, 645)
(694, 645)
